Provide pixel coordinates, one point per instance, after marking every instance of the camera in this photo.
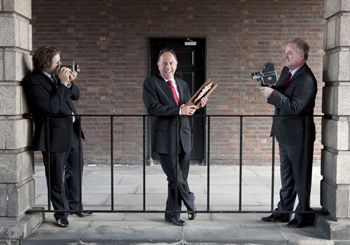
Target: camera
(267, 76)
(73, 67)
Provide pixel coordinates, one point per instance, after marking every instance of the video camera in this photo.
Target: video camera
(73, 67)
(267, 76)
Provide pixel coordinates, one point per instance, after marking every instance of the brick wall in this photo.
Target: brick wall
(109, 39)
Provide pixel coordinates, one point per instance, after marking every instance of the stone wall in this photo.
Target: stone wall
(335, 186)
(16, 161)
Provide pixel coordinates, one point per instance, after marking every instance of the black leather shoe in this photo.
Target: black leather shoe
(273, 218)
(176, 221)
(62, 223)
(82, 214)
(192, 214)
(297, 223)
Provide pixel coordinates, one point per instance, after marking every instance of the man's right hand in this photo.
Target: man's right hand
(266, 91)
(187, 110)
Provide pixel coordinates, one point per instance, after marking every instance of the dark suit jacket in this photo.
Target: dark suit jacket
(296, 99)
(161, 105)
(44, 98)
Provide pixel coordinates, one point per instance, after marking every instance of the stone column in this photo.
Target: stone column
(16, 161)
(335, 186)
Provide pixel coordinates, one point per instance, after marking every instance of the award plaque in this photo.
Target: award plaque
(204, 91)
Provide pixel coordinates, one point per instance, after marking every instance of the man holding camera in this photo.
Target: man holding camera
(293, 125)
(50, 91)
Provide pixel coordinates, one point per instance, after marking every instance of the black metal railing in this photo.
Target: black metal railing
(208, 119)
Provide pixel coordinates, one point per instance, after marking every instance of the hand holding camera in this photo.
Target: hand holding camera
(268, 78)
(63, 74)
(67, 75)
(72, 76)
(266, 91)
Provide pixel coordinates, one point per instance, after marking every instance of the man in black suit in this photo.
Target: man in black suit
(50, 90)
(294, 127)
(165, 97)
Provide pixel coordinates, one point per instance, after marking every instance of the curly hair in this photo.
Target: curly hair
(43, 57)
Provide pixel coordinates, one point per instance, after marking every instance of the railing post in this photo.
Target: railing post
(149, 142)
(112, 165)
(48, 150)
(208, 167)
(240, 160)
(273, 173)
(144, 161)
(177, 131)
(80, 164)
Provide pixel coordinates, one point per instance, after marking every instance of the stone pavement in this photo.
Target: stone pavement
(125, 226)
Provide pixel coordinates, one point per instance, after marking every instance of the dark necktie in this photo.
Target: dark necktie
(173, 91)
(287, 80)
(54, 80)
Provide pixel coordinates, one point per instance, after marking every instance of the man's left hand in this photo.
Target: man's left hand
(72, 76)
(204, 101)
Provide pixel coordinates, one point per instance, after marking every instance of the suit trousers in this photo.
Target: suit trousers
(296, 173)
(173, 205)
(64, 173)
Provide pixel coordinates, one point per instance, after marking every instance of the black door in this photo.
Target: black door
(191, 68)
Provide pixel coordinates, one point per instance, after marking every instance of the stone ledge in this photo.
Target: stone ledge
(333, 230)
(12, 228)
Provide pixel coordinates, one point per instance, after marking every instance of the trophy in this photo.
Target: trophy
(204, 91)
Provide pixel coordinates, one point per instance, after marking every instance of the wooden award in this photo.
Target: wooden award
(204, 91)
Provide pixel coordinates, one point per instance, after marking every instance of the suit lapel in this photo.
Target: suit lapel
(48, 84)
(297, 74)
(180, 89)
(166, 89)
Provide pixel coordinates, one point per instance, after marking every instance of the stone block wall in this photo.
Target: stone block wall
(336, 101)
(335, 186)
(16, 160)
